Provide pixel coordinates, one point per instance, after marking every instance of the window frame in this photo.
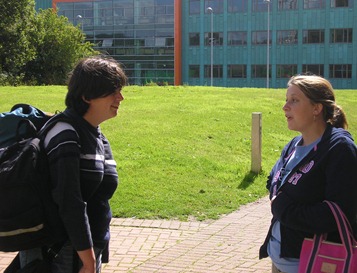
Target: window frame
(314, 4)
(347, 36)
(194, 39)
(239, 34)
(282, 5)
(264, 35)
(344, 69)
(237, 71)
(281, 39)
(306, 68)
(309, 34)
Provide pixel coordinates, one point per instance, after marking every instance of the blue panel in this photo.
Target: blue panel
(43, 4)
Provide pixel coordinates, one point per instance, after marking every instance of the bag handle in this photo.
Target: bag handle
(345, 232)
(343, 225)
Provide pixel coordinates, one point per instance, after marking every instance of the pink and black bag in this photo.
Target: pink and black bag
(321, 256)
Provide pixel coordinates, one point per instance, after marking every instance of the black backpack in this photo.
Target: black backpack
(28, 216)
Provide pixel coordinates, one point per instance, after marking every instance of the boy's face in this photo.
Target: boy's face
(101, 109)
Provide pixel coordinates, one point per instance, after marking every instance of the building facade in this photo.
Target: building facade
(230, 43)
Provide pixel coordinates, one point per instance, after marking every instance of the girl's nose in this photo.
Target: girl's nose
(285, 106)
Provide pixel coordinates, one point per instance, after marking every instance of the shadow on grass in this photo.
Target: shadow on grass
(248, 179)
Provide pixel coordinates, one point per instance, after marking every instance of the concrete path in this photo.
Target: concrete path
(230, 244)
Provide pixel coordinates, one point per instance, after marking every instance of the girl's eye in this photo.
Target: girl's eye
(292, 100)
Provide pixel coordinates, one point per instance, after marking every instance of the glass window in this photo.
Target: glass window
(160, 10)
(170, 10)
(165, 19)
(260, 5)
(129, 42)
(237, 38)
(217, 71)
(65, 6)
(286, 70)
(107, 42)
(66, 9)
(313, 36)
(237, 71)
(124, 34)
(287, 37)
(341, 71)
(216, 5)
(194, 71)
(194, 39)
(164, 32)
(237, 5)
(145, 33)
(146, 51)
(314, 4)
(217, 38)
(149, 11)
(260, 71)
(84, 11)
(169, 41)
(123, 3)
(83, 5)
(119, 12)
(287, 5)
(119, 42)
(123, 12)
(103, 34)
(341, 35)
(165, 65)
(260, 37)
(341, 3)
(164, 2)
(315, 69)
(194, 6)
(138, 42)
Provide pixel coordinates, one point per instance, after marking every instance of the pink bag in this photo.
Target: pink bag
(321, 256)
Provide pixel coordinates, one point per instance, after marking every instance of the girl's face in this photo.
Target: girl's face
(101, 109)
(299, 110)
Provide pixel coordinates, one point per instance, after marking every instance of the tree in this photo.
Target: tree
(59, 45)
(16, 32)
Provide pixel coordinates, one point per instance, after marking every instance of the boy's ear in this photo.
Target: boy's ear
(85, 100)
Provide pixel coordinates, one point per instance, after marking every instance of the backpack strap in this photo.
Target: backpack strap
(60, 117)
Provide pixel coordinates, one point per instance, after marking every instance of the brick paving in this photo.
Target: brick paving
(229, 244)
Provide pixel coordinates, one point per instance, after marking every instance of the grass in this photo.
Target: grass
(184, 151)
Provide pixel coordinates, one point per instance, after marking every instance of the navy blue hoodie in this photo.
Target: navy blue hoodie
(327, 172)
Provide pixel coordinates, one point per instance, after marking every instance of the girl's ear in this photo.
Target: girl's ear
(318, 108)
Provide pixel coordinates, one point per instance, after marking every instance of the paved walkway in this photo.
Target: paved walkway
(229, 244)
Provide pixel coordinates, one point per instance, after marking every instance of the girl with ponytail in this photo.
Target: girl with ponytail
(319, 164)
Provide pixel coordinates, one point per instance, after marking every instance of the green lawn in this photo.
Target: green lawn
(185, 151)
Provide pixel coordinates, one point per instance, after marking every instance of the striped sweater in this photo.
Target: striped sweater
(84, 178)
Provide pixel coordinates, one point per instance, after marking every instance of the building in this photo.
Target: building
(231, 43)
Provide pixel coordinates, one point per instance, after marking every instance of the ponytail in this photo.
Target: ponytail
(338, 118)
